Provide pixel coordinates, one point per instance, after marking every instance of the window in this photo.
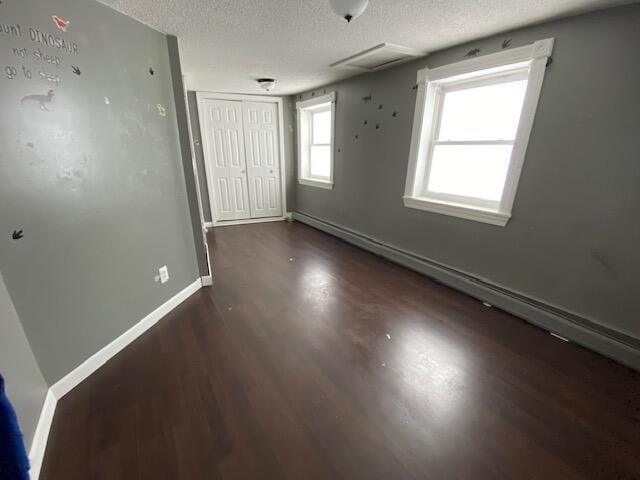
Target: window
(470, 133)
(315, 141)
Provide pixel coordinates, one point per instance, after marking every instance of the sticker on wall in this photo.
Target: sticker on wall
(17, 234)
(506, 43)
(151, 71)
(377, 126)
(60, 23)
(42, 100)
(76, 70)
(394, 114)
(162, 111)
(107, 101)
(473, 53)
(367, 98)
(380, 107)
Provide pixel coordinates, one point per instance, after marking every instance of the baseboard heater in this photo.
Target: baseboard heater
(568, 326)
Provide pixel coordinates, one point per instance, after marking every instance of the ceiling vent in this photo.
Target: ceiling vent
(379, 57)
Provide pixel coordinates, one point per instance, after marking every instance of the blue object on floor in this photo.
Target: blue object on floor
(14, 463)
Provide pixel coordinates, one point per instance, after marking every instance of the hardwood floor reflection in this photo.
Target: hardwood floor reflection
(312, 359)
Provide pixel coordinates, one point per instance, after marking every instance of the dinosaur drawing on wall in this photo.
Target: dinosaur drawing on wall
(40, 99)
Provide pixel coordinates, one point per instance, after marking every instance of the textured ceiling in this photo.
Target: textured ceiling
(226, 44)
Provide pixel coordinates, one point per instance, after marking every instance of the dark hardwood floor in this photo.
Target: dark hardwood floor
(312, 359)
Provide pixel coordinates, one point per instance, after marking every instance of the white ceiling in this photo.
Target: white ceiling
(226, 44)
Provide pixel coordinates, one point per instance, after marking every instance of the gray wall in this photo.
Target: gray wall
(95, 181)
(573, 239)
(289, 153)
(199, 155)
(179, 94)
(25, 385)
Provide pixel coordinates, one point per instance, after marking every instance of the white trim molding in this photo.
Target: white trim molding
(86, 368)
(460, 211)
(95, 361)
(41, 435)
(200, 97)
(303, 111)
(246, 221)
(579, 330)
(528, 62)
(315, 183)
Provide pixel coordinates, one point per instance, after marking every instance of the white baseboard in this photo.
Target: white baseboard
(582, 331)
(41, 435)
(71, 380)
(82, 371)
(247, 221)
(207, 281)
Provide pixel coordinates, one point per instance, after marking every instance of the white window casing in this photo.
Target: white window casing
(522, 63)
(305, 111)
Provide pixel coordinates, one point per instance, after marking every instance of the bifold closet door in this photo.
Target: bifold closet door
(263, 158)
(226, 159)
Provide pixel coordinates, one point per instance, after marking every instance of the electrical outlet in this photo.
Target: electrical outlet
(164, 274)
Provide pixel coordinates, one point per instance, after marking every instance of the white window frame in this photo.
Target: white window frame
(523, 62)
(305, 110)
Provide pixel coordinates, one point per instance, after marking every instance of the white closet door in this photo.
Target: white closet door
(263, 158)
(226, 159)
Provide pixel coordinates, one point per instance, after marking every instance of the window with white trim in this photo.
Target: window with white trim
(315, 141)
(470, 133)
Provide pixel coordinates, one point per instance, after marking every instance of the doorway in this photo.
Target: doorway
(243, 155)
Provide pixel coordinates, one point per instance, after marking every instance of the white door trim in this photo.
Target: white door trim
(201, 97)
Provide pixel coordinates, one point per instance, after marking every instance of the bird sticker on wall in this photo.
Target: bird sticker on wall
(473, 53)
(17, 234)
(60, 23)
(76, 70)
(151, 71)
(506, 43)
(162, 111)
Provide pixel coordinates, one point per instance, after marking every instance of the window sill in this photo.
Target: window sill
(316, 183)
(457, 210)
